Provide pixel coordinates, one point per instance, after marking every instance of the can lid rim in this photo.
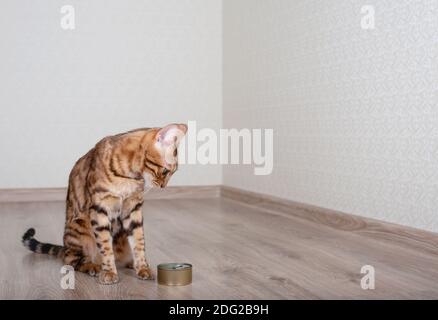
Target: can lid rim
(174, 266)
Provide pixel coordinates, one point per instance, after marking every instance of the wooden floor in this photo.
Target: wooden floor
(237, 252)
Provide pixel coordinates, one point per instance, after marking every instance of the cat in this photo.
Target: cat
(104, 222)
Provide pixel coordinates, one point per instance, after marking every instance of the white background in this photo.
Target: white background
(146, 63)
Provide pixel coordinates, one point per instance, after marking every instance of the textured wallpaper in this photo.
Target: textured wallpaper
(355, 111)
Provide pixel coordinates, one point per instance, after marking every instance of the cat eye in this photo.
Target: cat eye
(165, 171)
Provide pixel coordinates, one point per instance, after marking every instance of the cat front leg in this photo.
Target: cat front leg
(133, 225)
(101, 224)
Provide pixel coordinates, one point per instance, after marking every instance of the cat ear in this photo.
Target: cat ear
(171, 134)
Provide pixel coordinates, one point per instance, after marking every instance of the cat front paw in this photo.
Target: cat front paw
(108, 277)
(91, 268)
(145, 273)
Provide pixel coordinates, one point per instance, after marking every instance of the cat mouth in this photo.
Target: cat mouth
(156, 184)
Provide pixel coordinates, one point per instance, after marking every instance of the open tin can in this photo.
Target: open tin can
(174, 274)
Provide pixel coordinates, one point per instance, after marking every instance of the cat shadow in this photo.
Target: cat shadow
(33, 260)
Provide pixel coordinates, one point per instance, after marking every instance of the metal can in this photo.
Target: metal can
(174, 274)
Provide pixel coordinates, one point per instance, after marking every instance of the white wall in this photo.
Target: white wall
(355, 112)
(126, 65)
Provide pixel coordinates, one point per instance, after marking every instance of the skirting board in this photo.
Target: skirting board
(343, 222)
(59, 194)
(367, 227)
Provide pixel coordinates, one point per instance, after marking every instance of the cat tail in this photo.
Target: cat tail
(46, 248)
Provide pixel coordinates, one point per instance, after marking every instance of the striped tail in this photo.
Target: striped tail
(34, 245)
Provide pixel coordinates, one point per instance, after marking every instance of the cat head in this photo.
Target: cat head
(161, 159)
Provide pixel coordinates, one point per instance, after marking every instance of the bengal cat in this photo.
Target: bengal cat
(104, 222)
